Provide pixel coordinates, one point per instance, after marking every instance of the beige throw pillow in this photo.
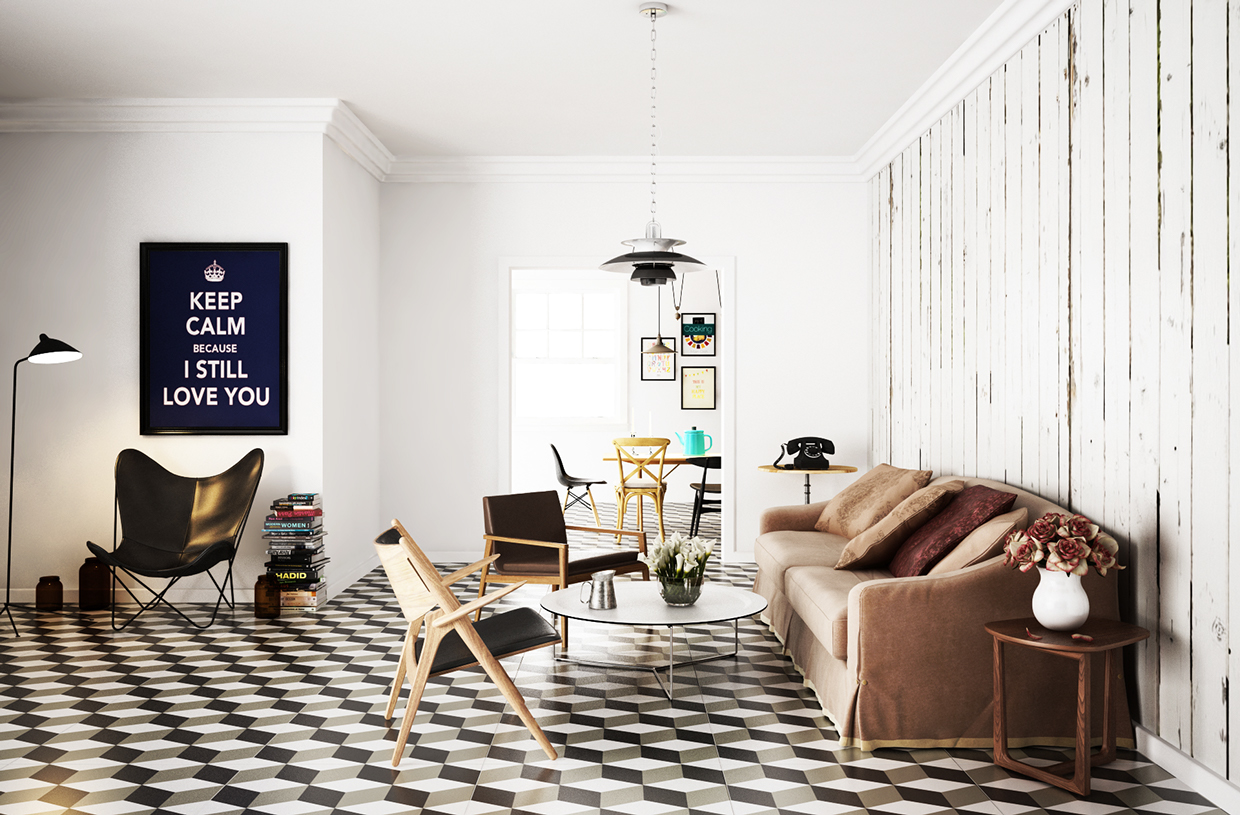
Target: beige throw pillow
(982, 543)
(875, 547)
(869, 500)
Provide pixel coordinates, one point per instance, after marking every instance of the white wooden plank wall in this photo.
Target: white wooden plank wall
(1054, 259)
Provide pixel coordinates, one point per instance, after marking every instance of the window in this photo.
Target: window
(568, 334)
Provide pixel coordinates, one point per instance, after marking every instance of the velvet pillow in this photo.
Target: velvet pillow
(874, 547)
(969, 510)
(869, 499)
(982, 543)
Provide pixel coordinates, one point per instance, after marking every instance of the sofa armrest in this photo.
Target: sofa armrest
(797, 518)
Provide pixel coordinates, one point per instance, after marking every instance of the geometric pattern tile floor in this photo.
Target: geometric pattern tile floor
(285, 717)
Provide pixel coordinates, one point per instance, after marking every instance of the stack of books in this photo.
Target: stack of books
(294, 535)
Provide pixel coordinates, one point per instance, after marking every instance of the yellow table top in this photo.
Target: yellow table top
(834, 468)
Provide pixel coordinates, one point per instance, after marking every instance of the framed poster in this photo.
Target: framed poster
(697, 335)
(214, 346)
(656, 367)
(697, 388)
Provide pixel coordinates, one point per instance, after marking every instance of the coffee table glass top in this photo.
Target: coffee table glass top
(638, 603)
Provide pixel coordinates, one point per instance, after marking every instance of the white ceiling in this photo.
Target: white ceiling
(505, 78)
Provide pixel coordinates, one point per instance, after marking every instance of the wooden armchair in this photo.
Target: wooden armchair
(452, 641)
(527, 540)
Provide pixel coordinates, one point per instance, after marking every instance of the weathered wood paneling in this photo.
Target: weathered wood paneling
(1055, 257)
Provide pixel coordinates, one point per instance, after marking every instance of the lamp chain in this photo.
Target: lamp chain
(654, 126)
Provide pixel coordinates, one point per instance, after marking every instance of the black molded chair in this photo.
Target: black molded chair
(173, 526)
(702, 504)
(572, 482)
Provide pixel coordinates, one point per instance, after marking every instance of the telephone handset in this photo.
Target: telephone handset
(809, 452)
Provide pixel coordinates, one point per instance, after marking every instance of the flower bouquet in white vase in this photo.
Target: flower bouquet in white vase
(1063, 548)
(679, 564)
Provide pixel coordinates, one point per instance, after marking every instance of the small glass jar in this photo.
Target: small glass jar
(94, 585)
(267, 597)
(49, 595)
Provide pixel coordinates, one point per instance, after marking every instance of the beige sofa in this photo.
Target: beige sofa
(905, 662)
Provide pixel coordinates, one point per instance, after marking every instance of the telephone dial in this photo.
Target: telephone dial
(809, 453)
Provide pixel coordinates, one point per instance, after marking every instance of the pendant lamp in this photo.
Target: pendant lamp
(653, 261)
(658, 347)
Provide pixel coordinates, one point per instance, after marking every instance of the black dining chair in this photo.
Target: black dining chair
(572, 482)
(701, 489)
(173, 526)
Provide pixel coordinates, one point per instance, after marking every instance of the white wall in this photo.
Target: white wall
(73, 209)
(350, 367)
(802, 332)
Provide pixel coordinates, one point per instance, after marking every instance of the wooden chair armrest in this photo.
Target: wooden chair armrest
(470, 608)
(641, 536)
(473, 567)
(550, 544)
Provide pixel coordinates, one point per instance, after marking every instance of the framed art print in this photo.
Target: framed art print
(656, 367)
(697, 335)
(697, 388)
(214, 338)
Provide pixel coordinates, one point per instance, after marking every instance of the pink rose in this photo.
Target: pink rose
(1068, 555)
(1103, 554)
(1042, 530)
(1081, 527)
(1021, 551)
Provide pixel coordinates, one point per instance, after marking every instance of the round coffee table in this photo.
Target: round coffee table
(638, 603)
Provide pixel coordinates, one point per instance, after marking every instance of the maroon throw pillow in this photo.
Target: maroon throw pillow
(967, 511)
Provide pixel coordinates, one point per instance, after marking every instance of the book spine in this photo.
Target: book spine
(304, 497)
(297, 513)
(292, 523)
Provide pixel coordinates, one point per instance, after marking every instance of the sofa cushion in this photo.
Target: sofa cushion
(877, 545)
(776, 552)
(984, 542)
(819, 596)
(867, 501)
(970, 509)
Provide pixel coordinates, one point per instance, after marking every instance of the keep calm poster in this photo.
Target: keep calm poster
(214, 338)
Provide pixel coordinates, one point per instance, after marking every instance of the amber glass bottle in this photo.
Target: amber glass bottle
(94, 585)
(49, 594)
(266, 597)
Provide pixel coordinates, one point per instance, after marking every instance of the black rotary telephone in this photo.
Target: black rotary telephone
(809, 452)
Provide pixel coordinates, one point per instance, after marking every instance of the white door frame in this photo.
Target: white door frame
(726, 363)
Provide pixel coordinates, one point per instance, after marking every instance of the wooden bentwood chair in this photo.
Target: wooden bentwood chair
(453, 642)
(641, 476)
(527, 540)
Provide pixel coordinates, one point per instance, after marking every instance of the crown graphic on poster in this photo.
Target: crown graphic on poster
(214, 272)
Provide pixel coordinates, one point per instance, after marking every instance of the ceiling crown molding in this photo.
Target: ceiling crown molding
(622, 169)
(1010, 28)
(330, 117)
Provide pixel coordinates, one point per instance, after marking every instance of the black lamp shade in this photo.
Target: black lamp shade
(51, 351)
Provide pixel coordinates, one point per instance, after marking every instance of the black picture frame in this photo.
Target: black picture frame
(642, 358)
(702, 343)
(214, 338)
(708, 400)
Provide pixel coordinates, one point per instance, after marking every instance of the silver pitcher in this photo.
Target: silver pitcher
(602, 592)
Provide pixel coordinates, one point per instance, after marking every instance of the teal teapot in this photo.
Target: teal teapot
(696, 442)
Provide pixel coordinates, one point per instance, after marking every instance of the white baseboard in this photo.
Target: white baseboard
(1221, 792)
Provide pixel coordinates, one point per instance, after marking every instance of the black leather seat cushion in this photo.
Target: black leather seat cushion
(506, 633)
(151, 561)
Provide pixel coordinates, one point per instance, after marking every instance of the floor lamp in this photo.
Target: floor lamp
(48, 352)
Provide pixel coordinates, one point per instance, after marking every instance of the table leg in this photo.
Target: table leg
(807, 488)
(671, 662)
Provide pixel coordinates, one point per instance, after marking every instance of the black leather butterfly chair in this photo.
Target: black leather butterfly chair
(174, 526)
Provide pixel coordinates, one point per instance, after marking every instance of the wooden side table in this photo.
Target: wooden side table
(1108, 637)
(834, 468)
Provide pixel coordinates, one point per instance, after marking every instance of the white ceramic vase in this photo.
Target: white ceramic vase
(1060, 602)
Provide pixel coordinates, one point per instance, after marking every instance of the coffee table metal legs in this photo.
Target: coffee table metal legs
(669, 666)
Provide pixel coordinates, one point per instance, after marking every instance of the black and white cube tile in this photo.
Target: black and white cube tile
(285, 717)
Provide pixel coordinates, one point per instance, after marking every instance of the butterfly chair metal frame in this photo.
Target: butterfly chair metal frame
(537, 543)
(572, 482)
(179, 526)
(451, 641)
(640, 466)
